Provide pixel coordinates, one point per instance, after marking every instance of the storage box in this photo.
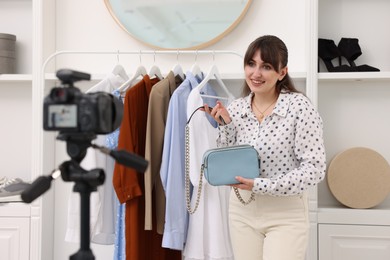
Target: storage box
(7, 53)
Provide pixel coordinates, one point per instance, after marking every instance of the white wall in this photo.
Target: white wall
(87, 25)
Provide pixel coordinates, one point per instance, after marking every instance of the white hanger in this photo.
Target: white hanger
(155, 70)
(117, 71)
(195, 70)
(213, 72)
(177, 70)
(141, 71)
(120, 71)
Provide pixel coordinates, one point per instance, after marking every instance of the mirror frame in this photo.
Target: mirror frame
(215, 39)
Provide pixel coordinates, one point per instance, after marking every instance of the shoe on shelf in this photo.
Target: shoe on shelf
(327, 51)
(350, 49)
(11, 190)
(4, 181)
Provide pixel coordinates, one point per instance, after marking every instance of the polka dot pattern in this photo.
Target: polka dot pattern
(289, 142)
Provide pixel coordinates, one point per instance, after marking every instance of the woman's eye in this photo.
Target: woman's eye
(267, 67)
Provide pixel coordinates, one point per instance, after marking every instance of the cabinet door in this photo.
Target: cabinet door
(341, 242)
(14, 238)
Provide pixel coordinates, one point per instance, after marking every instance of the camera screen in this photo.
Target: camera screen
(62, 116)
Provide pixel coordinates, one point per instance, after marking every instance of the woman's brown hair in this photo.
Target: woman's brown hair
(272, 51)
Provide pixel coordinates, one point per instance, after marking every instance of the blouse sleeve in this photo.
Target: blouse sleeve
(227, 133)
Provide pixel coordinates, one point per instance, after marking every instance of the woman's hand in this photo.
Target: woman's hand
(218, 112)
(245, 184)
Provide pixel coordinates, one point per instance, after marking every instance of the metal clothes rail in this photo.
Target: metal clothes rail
(142, 52)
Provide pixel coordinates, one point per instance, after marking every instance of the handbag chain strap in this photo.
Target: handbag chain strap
(251, 198)
(187, 178)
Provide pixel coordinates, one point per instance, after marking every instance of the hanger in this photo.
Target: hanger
(141, 71)
(155, 70)
(195, 69)
(213, 72)
(120, 71)
(177, 70)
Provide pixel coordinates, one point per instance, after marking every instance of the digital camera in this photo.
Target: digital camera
(68, 110)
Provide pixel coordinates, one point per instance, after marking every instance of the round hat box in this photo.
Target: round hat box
(359, 178)
(7, 53)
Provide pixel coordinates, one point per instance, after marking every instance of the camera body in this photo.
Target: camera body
(68, 110)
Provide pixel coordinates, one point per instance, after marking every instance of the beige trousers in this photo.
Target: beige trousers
(269, 228)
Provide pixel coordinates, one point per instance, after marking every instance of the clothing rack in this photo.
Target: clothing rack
(38, 93)
(140, 53)
(118, 52)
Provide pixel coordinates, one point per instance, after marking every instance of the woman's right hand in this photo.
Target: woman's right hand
(218, 112)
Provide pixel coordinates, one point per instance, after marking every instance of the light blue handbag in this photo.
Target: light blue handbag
(222, 165)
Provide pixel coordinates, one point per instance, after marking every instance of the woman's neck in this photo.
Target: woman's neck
(264, 99)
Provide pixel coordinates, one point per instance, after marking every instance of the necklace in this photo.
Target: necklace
(261, 115)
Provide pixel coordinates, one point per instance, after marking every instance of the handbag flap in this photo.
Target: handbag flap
(222, 165)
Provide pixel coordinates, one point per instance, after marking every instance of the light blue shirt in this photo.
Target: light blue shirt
(120, 243)
(172, 165)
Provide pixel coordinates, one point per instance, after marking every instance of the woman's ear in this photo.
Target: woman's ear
(282, 73)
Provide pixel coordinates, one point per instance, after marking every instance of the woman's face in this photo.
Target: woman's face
(260, 76)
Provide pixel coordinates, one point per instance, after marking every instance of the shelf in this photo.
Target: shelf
(354, 76)
(15, 78)
(341, 215)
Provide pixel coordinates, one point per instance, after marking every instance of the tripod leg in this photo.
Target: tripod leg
(85, 252)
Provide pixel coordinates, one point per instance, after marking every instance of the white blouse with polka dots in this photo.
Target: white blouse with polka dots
(289, 142)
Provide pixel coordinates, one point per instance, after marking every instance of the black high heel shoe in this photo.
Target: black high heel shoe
(350, 49)
(327, 51)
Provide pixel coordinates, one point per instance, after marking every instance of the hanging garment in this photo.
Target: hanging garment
(208, 232)
(120, 242)
(141, 244)
(172, 164)
(157, 114)
(102, 202)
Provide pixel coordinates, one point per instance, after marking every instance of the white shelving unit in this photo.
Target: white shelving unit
(354, 106)
(21, 225)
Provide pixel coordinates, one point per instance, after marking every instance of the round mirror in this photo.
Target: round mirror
(178, 24)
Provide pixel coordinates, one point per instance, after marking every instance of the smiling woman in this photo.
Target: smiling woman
(178, 24)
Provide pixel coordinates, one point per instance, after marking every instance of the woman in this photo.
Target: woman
(285, 128)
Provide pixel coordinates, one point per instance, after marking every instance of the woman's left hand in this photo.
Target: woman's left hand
(245, 184)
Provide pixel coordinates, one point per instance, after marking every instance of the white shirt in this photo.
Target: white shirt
(289, 142)
(208, 233)
(103, 202)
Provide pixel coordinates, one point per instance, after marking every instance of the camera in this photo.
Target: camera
(68, 110)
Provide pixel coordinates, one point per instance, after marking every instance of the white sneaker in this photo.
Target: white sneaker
(12, 189)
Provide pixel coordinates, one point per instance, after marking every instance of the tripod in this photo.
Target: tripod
(85, 181)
